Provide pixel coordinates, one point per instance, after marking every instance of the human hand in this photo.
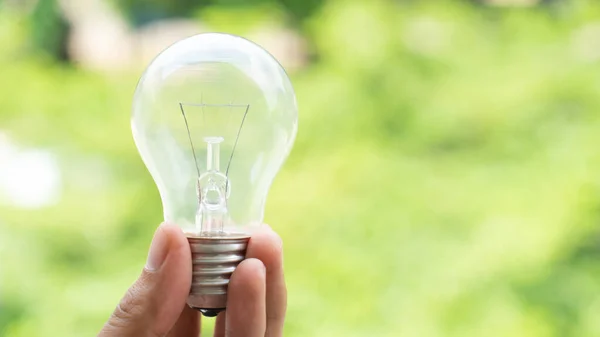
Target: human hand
(155, 305)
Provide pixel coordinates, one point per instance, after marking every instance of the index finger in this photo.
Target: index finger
(267, 246)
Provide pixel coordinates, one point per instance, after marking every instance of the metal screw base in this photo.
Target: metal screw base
(214, 258)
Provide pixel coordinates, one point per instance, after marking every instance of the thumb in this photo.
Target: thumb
(154, 302)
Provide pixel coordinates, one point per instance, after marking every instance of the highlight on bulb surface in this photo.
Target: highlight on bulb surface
(214, 117)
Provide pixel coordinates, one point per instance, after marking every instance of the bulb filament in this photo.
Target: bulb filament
(213, 186)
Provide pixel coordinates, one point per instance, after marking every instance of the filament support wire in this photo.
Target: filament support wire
(202, 106)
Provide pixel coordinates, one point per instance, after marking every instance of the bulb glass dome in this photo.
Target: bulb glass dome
(214, 117)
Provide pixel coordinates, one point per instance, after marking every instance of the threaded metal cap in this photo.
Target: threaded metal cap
(214, 258)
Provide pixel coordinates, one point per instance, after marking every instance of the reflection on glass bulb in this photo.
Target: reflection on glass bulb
(214, 117)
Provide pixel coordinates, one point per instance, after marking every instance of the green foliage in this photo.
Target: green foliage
(444, 180)
(142, 11)
(49, 29)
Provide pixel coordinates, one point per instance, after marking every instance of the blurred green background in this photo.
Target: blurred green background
(444, 182)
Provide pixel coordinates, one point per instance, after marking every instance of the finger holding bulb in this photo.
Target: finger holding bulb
(155, 305)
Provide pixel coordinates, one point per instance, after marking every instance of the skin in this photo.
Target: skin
(155, 305)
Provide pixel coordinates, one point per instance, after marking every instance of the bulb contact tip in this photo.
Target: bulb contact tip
(210, 312)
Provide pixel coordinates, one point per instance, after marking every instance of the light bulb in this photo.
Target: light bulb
(214, 117)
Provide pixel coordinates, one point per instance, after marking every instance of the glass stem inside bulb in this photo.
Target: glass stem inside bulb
(212, 192)
(212, 156)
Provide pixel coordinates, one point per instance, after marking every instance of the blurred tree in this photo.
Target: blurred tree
(143, 11)
(49, 29)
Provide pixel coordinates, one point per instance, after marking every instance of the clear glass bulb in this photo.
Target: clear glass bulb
(214, 117)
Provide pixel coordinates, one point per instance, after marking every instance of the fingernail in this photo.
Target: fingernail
(158, 250)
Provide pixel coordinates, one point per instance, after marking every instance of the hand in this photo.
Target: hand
(156, 303)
